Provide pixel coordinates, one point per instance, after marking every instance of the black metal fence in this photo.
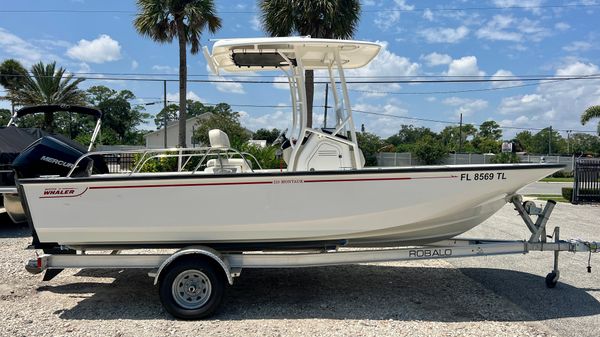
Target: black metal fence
(586, 185)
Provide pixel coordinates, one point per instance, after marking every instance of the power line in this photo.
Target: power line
(466, 90)
(406, 10)
(395, 81)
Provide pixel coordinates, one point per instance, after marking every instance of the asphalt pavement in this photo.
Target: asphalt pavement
(544, 188)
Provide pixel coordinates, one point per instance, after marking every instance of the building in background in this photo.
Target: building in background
(156, 139)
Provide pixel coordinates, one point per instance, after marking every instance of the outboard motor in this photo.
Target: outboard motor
(52, 155)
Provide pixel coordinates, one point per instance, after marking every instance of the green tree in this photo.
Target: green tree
(165, 20)
(118, 114)
(48, 85)
(591, 113)
(525, 141)
(451, 137)
(370, 144)
(548, 142)
(581, 143)
(4, 117)
(407, 136)
(268, 135)
(430, 151)
(171, 113)
(12, 74)
(330, 19)
(486, 145)
(490, 130)
(225, 120)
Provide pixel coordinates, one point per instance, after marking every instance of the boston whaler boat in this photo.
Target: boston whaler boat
(216, 204)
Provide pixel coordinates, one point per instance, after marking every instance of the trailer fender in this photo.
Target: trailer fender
(197, 250)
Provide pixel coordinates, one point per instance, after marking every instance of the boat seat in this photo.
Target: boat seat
(229, 165)
(219, 140)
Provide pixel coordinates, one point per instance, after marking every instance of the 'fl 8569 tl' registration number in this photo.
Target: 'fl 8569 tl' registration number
(482, 176)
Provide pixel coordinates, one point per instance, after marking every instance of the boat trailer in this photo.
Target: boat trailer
(192, 280)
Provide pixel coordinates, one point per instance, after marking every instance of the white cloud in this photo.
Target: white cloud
(504, 75)
(255, 23)
(389, 18)
(165, 69)
(428, 14)
(577, 46)
(465, 106)
(382, 125)
(464, 66)
(509, 28)
(435, 59)
(225, 84)
(556, 103)
(562, 26)
(523, 104)
(16, 47)
(444, 35)
(279, 119)
(281, 83)
(100, 50)
(534, 5)
(174, 97)
(384, 64)
(134, 65)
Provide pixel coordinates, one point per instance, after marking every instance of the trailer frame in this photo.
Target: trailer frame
(222, 267)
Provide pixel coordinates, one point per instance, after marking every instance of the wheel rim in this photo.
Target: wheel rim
(191, 289)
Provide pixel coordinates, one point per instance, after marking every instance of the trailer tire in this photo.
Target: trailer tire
(192, 289)
(551, 281)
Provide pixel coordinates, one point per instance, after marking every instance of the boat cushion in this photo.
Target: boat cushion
(218, 139)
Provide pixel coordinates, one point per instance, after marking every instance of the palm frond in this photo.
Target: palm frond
(590, 113)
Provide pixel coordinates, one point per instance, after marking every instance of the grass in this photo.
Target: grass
(546, 197)
(557, 180)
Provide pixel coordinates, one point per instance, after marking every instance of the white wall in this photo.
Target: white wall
(156, 139)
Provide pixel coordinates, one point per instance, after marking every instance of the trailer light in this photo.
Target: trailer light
(39, 262)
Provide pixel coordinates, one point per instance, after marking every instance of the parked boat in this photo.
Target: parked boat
(325, 197)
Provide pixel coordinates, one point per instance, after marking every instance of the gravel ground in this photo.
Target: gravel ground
(421, 298)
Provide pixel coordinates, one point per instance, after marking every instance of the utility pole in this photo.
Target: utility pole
(165, 109)
(550, 140)
(569, 141)
(325, 114)
(460, 135)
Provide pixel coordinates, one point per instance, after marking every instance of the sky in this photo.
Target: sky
(493, 39)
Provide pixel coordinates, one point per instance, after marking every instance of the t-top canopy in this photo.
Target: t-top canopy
(252, 54)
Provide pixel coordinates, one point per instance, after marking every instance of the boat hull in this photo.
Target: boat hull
(364, 207)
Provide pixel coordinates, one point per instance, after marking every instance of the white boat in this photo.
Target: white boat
(325, 197)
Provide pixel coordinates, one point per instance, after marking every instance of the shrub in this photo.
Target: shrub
(430, 151)
(567, 193)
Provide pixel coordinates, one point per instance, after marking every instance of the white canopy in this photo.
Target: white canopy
(255, 54)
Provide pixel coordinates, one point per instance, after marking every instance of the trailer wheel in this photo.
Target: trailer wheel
(551, 280)
(192, 289)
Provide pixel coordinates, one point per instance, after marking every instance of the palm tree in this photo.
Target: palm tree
(329, 19)
(591, 113)
(12, 76)
(164, 20)
(48, 85)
